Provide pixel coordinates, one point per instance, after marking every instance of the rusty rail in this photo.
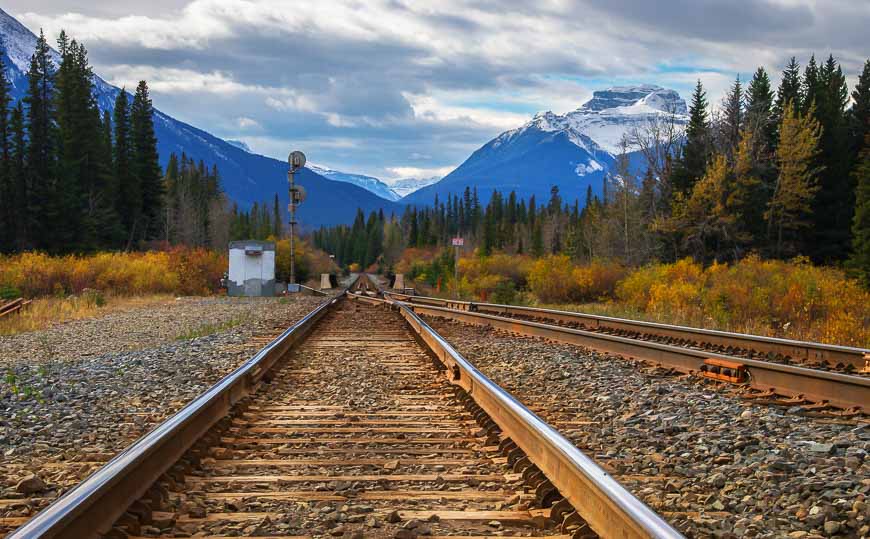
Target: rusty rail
(605, 505)
(773, 347)
(840, 390)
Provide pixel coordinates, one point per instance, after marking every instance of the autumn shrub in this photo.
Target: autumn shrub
(178, 271)
(771, 297)
(597, 280)
(551, 279)
(515, 268)
(663, 287)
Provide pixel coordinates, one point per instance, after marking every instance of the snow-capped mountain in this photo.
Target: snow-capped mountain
(405, 186)
(240, 144)
(369, 183)
(571, 151)
(245, 177)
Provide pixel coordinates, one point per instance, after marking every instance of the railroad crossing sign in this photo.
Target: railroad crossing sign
(458, 242)
(296, 160)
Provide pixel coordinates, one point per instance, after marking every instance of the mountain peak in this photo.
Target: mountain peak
(600, 123)
(645, 97)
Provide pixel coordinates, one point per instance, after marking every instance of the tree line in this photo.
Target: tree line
(780, 173)
(73, 179)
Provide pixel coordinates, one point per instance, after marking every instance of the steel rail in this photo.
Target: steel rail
(606, 506)
(839, 390)
(91, 508)
(803, 351)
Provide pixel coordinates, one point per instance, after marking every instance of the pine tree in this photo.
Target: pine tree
(696, 151)
(834, 203)
(146, 165)
(791, 203)
(789, 91)
(45, 198)
(860, 259)
(276, 218)
(811, 86)
(759, 104)
(84, 171)
(129, 202)
(733, 118)
(18, 173)
(859, 114)
(8, 201)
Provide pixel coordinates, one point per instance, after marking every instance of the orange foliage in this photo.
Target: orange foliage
(597, 280)
(178, 271)
(551, 279)
(771, 297)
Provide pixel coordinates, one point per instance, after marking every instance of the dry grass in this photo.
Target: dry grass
(44, 312)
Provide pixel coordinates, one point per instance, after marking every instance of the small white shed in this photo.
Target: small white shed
(252, 268)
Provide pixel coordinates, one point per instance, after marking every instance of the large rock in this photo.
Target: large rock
(30, 485)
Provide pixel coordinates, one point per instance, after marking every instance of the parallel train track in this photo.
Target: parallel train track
(812, 375)
(359, 420)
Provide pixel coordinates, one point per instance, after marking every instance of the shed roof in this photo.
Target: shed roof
(244, 244)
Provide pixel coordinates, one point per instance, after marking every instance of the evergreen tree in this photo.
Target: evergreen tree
(84, 173)
(696, 151)
(859, 114)
(129, 200)
(860, 259)
(45, 198)
(8, 201)
(18, 174)
(810, 87)
(833, 206)
(789, 91)
(171, 185)
(276, 218)
(759, 105)
(145, 165)
(733, 118)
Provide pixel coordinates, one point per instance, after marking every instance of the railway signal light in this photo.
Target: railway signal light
(296, 160)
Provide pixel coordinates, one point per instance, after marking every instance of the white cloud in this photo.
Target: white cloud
(416, 172)
(247, 123)
(372, 83)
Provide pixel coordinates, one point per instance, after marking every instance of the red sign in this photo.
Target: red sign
(458, 242)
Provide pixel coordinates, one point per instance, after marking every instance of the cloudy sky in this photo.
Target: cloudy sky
(398, 88)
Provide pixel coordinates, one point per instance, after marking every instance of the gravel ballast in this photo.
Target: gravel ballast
(73, 395)
(712, 464)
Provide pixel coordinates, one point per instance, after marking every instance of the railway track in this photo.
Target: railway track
(357, 421)
(779, 371)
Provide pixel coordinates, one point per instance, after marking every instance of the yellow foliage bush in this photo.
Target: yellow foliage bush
(771, 297)
(551, 279)
(181, 270)
(597, 280)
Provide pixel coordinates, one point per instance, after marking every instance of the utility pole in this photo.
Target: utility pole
(457, 243)
(297, 195)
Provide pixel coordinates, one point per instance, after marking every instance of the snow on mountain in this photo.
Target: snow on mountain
(369, 183)
(405, 186)
(240, 144)
(571, 151)
(603, 120)
(245, 177)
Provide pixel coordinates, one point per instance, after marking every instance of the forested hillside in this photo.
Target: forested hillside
(75, 180)
(777, 172)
